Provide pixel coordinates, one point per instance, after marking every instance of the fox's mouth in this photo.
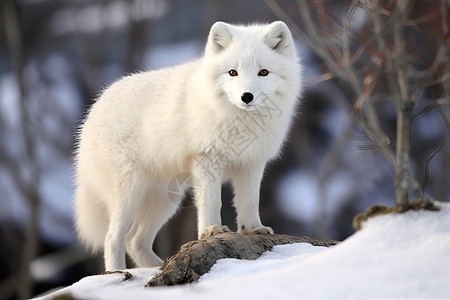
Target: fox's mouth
(249, 107)
(246, 107)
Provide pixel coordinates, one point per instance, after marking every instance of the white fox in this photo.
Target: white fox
(219, 118)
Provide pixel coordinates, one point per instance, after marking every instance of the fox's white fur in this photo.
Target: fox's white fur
(148, 128)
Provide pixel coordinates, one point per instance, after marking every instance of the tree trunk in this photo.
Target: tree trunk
(402, 153)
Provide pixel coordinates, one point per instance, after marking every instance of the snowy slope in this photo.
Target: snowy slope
(393, 256)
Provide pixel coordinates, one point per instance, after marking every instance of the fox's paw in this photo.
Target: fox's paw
(213, 230)
(262, 230)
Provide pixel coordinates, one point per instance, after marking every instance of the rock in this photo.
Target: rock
(378, 209)
(197, 257)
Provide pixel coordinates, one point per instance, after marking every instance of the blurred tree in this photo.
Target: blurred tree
(26, 179)
(383, 60)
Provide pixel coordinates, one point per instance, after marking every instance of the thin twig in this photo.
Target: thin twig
(426, 176)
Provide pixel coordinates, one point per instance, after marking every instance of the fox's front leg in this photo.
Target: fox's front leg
(208, 199)
(247, 183)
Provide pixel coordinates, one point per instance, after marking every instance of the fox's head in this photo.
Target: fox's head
(252, 63)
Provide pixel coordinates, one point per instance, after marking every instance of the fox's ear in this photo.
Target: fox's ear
(278, 38)
(219, 37)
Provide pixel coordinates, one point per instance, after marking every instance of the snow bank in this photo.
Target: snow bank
(393, 256)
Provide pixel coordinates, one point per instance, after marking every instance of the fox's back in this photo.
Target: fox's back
(137, 122)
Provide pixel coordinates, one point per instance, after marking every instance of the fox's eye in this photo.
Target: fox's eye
(263, 72)
(233, 73)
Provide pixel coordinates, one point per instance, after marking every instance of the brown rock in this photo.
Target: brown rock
(196, 258)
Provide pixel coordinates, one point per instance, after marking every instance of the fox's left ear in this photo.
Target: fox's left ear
(278, 38)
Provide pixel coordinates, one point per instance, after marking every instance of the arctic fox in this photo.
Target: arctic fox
(219, 118)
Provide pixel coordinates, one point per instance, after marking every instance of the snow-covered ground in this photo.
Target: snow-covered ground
(405, 256)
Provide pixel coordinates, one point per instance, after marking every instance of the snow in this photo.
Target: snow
(394, 256)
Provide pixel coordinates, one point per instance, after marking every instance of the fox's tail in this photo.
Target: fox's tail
(91, 218)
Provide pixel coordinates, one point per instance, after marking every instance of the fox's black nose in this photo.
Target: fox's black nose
(247, 97)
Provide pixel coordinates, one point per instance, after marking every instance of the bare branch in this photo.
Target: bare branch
(427, 77)
(382, 142)
(346, 34)
(427, 165)
(321, 78)
(313, 38)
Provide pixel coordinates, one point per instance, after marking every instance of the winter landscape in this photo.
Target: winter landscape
(394, 256)
(373, 127)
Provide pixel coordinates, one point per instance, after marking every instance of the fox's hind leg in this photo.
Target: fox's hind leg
(153, 214)
(122, 212)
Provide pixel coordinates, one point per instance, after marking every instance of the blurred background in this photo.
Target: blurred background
(56, 56)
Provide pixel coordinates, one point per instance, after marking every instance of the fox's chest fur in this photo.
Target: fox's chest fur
(223, 141)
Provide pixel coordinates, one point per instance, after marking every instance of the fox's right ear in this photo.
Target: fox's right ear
(279, 39)
(219, 37)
